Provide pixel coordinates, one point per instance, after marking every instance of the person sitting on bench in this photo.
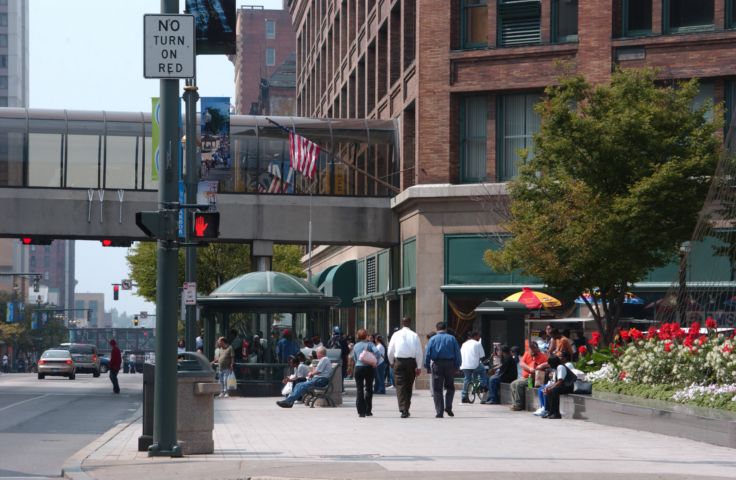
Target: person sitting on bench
(319, 377)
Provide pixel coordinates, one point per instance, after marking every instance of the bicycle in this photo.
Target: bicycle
(477, 387)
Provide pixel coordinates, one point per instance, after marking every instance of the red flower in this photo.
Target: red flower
(622, 375)
(710, 323)
(636, 334)
(694, 329)
(688, 341)
(582, 351)
(703, 339)
(668, 346)
(727, 349)
(624, 335)
(652, 332)
(595, 338)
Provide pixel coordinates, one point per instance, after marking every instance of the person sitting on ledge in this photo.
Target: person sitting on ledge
(319, 377)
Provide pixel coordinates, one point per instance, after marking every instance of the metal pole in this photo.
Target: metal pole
(164, 403)
(191, 178)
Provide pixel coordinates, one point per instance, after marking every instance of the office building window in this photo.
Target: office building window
(3, 61)
(270, 29)
(4, 103)
(3, 40)
(637, 17)
(688, 15)
(473, 127)
(270, 57)
(731, 13)
(517, 123)
(519, 22)
(3, 82)
(565, 21)
(474, 23)
(3, 19)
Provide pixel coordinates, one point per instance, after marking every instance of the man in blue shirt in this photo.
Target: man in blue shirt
(442, 359)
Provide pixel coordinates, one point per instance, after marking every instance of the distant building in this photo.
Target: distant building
(264, 59)
(94, 302)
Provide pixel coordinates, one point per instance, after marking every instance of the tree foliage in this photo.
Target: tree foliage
(216, 263)
(617, 179)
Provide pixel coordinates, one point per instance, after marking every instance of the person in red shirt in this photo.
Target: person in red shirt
(116, 360)
(533, 357)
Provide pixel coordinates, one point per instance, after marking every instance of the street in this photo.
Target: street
(43, 422)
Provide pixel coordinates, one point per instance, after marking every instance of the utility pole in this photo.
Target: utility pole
(191, 178)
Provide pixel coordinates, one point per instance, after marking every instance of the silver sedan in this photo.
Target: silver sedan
(56, 362)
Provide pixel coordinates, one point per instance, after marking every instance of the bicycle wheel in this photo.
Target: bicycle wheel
(472, 392)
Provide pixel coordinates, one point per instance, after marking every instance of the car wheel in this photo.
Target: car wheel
(41, 376)
(72, 376)
(96, 373)
(103, 368)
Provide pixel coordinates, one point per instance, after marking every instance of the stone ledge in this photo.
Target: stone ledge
(703, 425)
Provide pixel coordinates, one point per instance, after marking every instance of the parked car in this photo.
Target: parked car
(58, 362)
(85, 357)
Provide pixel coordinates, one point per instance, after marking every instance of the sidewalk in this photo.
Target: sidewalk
(256, 439)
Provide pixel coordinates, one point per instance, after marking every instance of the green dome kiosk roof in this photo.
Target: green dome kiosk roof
(267, 291)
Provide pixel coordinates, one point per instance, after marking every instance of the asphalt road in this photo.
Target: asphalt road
(44, 422)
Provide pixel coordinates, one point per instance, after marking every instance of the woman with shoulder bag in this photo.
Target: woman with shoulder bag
(365, 356)
(564, 382)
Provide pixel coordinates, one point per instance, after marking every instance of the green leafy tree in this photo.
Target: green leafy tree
(216, 264)
(618, 177)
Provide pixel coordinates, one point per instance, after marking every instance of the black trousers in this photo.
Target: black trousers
(553, 398)
(364, 382)
(405, 371)
(114, 380)
(443, 377)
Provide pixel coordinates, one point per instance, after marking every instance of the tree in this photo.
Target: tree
(216, 264)
(617, 179)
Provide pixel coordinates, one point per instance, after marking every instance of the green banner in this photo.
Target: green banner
(155, 136)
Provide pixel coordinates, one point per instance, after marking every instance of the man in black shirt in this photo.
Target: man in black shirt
(507, 373)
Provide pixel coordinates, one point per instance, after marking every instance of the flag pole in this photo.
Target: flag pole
(309, 238)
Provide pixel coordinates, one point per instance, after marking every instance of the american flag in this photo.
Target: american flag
(304, 155)
(278, 184)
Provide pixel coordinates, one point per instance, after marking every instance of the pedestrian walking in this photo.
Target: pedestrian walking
(442, 359)
(226, 362)
(131, 363)
(405, 354)
(364, 374)
(116, 361)
(380, 382)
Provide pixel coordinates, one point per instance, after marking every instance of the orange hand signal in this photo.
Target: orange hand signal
(200, 226)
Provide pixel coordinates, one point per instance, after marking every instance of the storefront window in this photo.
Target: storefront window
(381, 317)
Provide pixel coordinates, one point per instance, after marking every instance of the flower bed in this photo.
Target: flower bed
(669, 363)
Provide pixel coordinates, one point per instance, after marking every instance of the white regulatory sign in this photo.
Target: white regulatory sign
(168, 46)
(189, 292)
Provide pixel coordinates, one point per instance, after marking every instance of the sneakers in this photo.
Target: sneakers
(222, 395)
(226, 395)
(284, 404)
(405, 414)
(516, 408)
(540, 411)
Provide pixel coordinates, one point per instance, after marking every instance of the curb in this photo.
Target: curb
(72, 468)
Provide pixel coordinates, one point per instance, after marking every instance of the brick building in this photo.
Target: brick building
(461, 77)
(265, 41)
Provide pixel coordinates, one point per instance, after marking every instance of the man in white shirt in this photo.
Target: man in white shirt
(471, 353)
(405, 356)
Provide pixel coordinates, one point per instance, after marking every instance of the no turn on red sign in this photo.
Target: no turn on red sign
(168, 46)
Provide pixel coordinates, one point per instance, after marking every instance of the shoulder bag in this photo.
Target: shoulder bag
(367, 357)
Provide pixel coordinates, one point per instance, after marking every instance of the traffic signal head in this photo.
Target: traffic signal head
(135, 321)
(36, 240)
(115, 291)
(106, 242)
(205, 225)
(35, 284)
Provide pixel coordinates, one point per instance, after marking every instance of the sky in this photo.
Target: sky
(88, 55)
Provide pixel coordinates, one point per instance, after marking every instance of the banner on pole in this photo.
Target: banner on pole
(155, 136)
(215, 138)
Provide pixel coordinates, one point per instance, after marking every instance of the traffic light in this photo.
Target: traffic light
(115, 243)
(115, 291)
(135, 321)
(36, 240)
(205, 225)
(35, 283)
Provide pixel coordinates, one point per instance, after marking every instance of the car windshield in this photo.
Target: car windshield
(55, 354)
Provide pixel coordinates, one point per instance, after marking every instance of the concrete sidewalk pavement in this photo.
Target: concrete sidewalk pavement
(256, 439)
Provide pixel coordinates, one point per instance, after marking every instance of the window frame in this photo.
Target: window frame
(668, 29)
(272, 63)
(464, 6)
(556, 38)
(625, 31)
(463, 139)
(270, 34)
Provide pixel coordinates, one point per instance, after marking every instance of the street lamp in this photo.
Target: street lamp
(681, 290)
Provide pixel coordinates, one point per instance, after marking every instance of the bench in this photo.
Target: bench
(324, 393)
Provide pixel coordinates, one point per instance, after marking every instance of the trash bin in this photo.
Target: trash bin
(195, 409)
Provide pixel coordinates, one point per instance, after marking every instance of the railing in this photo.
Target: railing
(113, 150)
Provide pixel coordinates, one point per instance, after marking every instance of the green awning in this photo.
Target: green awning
(320, 277)
(341, 282)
